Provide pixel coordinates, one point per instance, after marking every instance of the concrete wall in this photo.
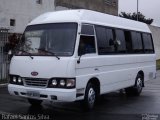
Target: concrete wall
(23, 11)
(156, 38)
(105, 6)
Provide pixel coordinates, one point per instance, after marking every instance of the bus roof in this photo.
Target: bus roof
(88, 16)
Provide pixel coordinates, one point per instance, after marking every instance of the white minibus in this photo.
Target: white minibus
(78, 55)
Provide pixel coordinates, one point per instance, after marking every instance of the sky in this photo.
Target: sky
(149, 8)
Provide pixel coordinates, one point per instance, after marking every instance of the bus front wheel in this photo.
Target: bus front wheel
(90, 97)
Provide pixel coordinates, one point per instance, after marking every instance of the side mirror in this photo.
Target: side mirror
(118, 42)
(10, 52)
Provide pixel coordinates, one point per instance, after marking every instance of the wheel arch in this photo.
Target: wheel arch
(95, 81)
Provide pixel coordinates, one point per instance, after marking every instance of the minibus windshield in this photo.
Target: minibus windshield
(56, 38)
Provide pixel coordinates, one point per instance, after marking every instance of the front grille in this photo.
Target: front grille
(36, 82)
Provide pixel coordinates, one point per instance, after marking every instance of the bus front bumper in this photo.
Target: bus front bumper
(51, 94)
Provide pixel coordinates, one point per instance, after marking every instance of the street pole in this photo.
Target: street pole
(137, 9)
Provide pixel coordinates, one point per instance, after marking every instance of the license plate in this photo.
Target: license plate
(33, 94)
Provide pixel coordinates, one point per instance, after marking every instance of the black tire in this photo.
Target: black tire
(90, 97)
(35, 102)
(137, 88)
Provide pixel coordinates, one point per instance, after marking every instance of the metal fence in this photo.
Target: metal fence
(4, 63)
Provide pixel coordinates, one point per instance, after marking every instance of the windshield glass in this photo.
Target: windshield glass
(57, 38)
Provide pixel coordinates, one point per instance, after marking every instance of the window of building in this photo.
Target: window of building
(120, 41)
(12, 22)
(104, 40)
(39, 1)
(148, 44)
(108, 2)
(114, 3)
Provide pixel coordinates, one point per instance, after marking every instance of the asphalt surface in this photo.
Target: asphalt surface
(113, 106)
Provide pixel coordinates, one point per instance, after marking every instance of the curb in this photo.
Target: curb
(3, 85)
(158, 73)
(1, 112)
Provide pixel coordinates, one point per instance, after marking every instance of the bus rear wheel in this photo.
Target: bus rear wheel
(34, 102)
(137, 88)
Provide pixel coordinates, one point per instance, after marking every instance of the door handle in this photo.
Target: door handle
(96, 69)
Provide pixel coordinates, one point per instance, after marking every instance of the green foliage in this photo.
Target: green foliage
(133, 16)
(13, 41)
(158, 64)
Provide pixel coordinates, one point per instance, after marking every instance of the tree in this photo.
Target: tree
(133, 16)
(13, 41)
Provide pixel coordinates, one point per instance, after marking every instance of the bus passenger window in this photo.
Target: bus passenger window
(105, 40)
(120, 37)
(148, 43)
(86, 45)
(128, 41)
(137, 42)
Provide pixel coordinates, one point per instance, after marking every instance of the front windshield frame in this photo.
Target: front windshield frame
(22, 42)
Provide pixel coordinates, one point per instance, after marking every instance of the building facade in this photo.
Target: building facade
(105, 6)
(16, 14)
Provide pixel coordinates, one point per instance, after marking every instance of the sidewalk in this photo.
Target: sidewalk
(158, 73)
(3, 83)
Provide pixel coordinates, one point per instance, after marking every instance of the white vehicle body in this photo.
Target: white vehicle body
(111, 72)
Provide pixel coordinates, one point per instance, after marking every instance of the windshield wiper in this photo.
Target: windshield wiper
(26, 52)
(43, 50)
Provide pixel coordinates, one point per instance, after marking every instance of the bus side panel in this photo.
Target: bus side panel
(114, 71)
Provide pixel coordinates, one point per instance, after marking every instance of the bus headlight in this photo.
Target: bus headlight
(54, 82)
(62, 83)
(66, 83)
(17, 80)
(70, 83)
(14, 79)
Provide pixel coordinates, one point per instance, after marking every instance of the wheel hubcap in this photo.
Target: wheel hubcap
(91, 96)
(139, 84)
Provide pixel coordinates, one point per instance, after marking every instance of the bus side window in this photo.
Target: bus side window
(105, 40)
(128, 41)
(120, 38)
(137, 42)
(148, 43)
(86, 45)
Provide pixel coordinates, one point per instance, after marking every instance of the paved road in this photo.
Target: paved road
(113, 106)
